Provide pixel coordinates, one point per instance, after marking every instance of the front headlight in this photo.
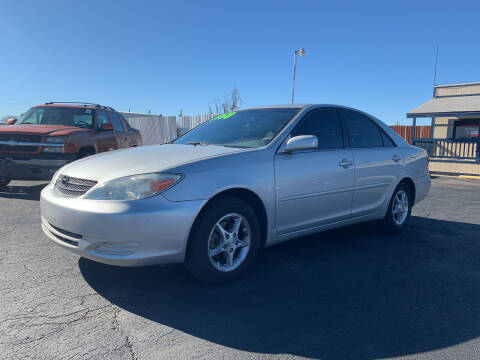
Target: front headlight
(55, 139)
(59, 142)
(133, 187)
(50, 149)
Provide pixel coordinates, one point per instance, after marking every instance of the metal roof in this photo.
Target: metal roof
(455, 85)
(448, 106)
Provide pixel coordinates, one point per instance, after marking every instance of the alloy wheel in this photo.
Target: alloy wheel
(400, 207)
(229, 242)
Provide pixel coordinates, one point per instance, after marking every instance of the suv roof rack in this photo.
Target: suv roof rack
(79, 103)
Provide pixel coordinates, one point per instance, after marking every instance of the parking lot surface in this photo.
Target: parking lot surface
(352, 293)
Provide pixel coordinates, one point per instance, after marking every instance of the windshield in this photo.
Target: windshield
(245, 128)
(63, 116)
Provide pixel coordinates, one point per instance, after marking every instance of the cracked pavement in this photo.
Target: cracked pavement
(353, 293)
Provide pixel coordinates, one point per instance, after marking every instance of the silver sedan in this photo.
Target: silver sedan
(233, 185)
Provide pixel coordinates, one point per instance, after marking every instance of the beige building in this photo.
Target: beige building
(453, 145)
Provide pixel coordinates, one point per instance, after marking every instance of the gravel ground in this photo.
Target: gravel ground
(353, 293)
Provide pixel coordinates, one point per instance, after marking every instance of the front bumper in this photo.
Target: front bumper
(33, 167)
(123, 233)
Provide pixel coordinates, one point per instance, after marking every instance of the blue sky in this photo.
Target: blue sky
(164, 56)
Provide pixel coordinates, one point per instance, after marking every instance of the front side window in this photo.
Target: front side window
(245, 128)
(325, 125)
(60, 116)
(102, 118)
(362, 131)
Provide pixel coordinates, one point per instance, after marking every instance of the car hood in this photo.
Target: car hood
(44, 130)
(141, 160)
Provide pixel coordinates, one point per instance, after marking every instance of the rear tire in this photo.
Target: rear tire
(4, 182)
(224, 242)
(399, 210)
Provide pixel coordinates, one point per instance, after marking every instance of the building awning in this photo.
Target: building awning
(455, 106)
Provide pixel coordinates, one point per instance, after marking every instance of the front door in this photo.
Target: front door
(314, 188)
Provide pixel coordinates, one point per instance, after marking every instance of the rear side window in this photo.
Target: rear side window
(126, 124)
(117, 123)
(387, 142)
(363, 132)
(325, 125)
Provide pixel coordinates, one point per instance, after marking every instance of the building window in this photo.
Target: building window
(467, 129)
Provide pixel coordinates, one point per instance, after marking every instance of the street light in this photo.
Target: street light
(301, 52)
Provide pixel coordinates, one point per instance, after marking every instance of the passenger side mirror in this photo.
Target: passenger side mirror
(302, 142)
(106, 127)
(11, 121)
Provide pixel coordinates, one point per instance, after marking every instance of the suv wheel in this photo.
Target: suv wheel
(224, 243)
(399, 210)
(85, 153)
(4, 182)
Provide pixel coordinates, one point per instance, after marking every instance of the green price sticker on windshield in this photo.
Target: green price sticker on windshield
(224, 116)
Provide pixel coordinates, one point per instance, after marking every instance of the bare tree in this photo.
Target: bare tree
(235, 100)
(229, 104)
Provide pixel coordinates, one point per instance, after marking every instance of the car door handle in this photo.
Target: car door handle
(345, 163)
(396, 158)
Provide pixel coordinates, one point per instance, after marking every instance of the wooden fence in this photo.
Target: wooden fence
(405, 131)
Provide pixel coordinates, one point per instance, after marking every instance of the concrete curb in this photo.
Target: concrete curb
(470, 177)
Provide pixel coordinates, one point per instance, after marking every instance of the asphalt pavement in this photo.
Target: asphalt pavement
(353, 293)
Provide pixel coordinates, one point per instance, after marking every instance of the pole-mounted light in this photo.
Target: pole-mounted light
(301, 52)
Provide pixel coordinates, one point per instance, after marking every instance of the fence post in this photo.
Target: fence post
(414, 125)
(478, 151)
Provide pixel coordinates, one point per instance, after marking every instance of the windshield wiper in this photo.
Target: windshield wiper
(198, 143)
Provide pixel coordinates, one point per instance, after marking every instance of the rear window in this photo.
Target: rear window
(60, 116)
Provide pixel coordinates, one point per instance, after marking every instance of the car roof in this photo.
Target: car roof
(298, 106)
(78, 105)
(281, 106)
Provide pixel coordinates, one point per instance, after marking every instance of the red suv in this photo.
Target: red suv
(51, 135)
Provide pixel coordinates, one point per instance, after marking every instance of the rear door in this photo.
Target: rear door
(106, 140)
(132, 134)
(120, 133)
(377, 162)
(314, 188)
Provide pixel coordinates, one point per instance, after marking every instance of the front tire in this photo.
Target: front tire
(224, 242)
(399, 210)
(4, 182)
(85, 153)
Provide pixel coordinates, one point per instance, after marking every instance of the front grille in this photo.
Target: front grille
(73, 187)
(19, 138)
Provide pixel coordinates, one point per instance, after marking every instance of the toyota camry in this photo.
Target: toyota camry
(239, 182)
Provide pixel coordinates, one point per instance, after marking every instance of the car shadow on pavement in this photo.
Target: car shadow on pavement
(353, 293)
(22, 192)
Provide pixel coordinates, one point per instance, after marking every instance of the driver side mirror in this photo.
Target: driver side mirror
(11, 121)
(302, 142)
(106, 127)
